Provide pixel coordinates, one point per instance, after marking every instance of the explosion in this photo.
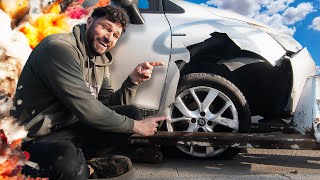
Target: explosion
(44, 25)
(24, 23)
(11, 157)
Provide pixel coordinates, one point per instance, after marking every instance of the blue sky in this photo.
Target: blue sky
(295, 17)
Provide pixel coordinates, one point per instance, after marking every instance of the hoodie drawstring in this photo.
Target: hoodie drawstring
(94, 75)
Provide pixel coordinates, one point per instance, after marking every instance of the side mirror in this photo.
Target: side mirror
(132, 10)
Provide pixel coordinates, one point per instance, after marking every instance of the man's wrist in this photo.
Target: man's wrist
(133, 81)
(130, 84)
(135, 127)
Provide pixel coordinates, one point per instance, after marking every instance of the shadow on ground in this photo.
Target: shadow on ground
(251, 162)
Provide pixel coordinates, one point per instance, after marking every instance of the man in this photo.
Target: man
(65, 99)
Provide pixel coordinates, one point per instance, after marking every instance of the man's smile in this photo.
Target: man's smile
(103, 44)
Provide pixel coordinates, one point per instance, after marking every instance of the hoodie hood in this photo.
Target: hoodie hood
(79, 32)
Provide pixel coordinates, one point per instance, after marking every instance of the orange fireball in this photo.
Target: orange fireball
(103, 3)
(46, 24)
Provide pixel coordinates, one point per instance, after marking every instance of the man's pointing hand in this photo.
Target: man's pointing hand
(143, 71)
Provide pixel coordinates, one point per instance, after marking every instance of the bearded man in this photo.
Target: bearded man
(65, 99)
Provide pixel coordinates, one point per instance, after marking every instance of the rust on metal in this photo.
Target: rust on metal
(318, 103)
(237, 140)
(309, 131)
(318, 123)
(272, 127)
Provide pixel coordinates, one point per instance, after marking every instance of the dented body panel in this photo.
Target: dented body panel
(242, 48)
(179, 37)
(303, 67)
(286, 41)
(306, 118)
(198, 23)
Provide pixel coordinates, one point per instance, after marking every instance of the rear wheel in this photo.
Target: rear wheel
(208, 103)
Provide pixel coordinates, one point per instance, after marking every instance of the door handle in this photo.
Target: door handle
(179, 34)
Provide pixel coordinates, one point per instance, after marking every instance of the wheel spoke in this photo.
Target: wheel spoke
(209, 150)
(211, 96)
(183, 108)
(179, 119)
(222, 110)
(231, 123)
(195, 97)
(192, 127)
(208, 129)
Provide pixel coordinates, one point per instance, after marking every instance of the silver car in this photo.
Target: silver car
(221, 69)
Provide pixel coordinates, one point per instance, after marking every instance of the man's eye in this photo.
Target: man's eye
(105, 28)
(116, 35)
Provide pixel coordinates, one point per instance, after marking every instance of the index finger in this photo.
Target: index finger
(156, 63)
(160, 118)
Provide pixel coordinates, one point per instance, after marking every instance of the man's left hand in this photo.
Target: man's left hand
(143, 71)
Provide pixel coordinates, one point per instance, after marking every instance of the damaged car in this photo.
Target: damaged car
(221, 70)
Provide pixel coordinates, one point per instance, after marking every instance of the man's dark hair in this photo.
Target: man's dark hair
(114, 14)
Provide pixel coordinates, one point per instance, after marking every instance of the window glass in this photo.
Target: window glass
(143, 4)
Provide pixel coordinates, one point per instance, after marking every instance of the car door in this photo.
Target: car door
(150, 41)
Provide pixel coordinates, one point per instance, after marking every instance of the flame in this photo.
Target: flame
(103, 3)
(46, 24)
(11, 157)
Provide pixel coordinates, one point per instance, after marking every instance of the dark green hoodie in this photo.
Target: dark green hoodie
(60, 85)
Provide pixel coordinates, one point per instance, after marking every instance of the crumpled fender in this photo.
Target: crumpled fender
(197, 24)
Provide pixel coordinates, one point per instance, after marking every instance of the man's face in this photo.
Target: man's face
(102, 35)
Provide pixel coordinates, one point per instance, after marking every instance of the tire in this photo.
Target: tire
(209, 103)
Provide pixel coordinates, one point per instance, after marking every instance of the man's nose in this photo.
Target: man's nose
(109, 37)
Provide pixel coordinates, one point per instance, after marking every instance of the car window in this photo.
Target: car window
(149, 6)
(170, 7)
(143, 4)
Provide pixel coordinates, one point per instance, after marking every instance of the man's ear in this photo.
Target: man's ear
(89, 22)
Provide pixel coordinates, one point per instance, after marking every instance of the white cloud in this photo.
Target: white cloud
(315, 24)
(293, 15)
(277, 6)
(252, 7)
(246, 7)
(275, 13)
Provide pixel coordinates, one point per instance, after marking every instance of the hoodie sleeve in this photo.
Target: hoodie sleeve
(57, 63)
(122, 96)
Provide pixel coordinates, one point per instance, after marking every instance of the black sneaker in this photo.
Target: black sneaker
(109, 167)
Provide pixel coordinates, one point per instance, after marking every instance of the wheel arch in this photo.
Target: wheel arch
(267, 88)
(222, 56)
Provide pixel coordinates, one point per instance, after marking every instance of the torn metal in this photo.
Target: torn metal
(306, 118)
(236, 140)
